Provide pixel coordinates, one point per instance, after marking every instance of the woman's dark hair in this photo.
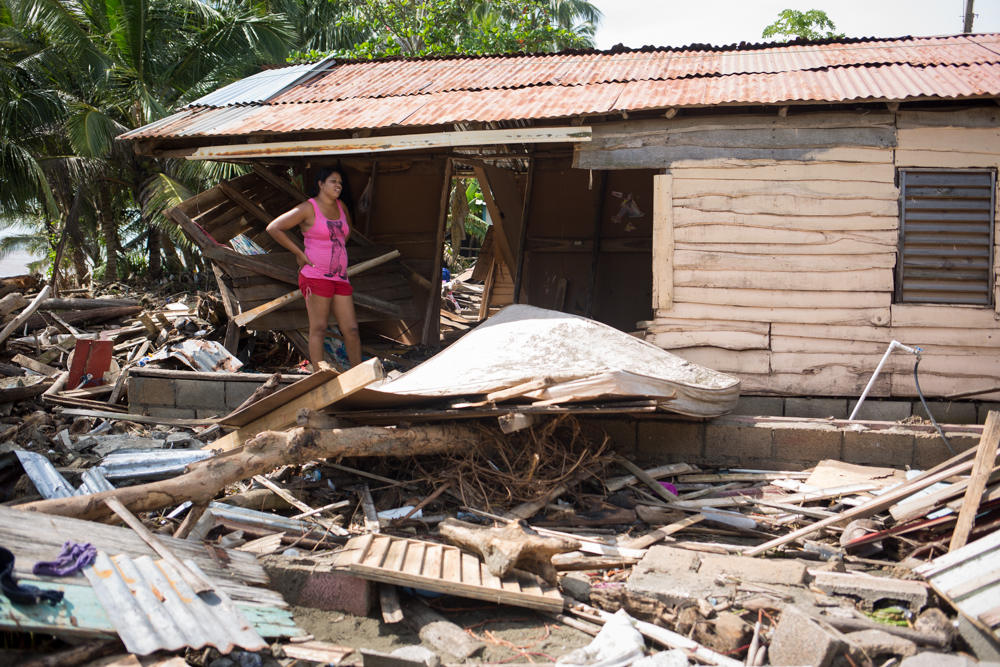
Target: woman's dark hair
(325, 173)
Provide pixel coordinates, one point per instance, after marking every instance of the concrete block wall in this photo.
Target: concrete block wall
(780, 443)
(189, 395)
(874, 409)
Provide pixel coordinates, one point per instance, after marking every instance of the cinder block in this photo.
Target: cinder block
(816, 408)
(151, 391)
(670, 440)
(807, 442)
(871, 590)
(172, 413)
(729, 440)
(948, 412)
(304, 584)
(237, 392)
(929, 450)
(800, 640)
(201, 394)
(984, 409)
(759, 406)
(621, 433)
(880, 448)
(881, 411)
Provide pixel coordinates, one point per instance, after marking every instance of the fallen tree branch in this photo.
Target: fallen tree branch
(265, 452)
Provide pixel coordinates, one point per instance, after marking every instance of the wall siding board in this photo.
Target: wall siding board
(879, 280)
(722, 261)
(862, 316)
(727, 361)
(782, 298)
(691, 216)
(709, 233)
(728, 340)
(809, 189)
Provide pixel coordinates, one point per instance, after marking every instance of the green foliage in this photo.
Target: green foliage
(447, 27)
(804, 25)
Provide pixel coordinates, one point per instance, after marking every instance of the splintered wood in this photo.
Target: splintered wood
(445, 569)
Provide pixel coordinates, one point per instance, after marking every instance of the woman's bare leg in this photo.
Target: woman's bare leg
(347, 320)
(319, 318)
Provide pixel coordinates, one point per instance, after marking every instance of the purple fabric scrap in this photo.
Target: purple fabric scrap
(73, 558)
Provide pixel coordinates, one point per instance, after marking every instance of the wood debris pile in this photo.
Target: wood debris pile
(836, 565)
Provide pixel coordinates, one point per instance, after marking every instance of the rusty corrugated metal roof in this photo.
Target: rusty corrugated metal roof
(433, 91)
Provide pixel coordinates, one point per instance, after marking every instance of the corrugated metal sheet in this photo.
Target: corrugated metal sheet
(893, 82)
(260, 87)
(434, 91)
(47, 480)
(153, 609)
(395, 78)
(150, 464)
(968, 579)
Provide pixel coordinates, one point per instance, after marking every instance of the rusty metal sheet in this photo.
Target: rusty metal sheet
(206, 356)
(153, 609)
(434, 91)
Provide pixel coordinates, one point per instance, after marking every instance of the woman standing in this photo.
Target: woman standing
(325, 225)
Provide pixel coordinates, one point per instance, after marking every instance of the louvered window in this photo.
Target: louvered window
(946, 237)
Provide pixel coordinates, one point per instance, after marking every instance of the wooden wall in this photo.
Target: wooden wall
(776, 239)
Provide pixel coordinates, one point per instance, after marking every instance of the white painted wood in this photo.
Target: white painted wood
(728, 340)
(942, 385)
(933, 159)
(840, 247)
(836, 346)
(951, 140)
(727, 361)
(663, 242)
(521, 135)
(834, 381)
(720, 261)
(722, 234)
(789, 205)
(813, 189)
(931, 315)
(876, 316)
(919, 336)
(782, 298)
(689, 216)
(871, 280)
(792, 171)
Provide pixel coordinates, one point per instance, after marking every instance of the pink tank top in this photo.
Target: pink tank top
(325, 246)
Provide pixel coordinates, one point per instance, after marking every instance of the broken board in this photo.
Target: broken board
(443, 569)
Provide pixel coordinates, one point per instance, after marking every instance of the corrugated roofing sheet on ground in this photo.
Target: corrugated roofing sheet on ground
(434, 91)
(153, 609)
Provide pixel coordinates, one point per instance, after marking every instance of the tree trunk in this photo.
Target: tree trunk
(170, 251)
(155, 260)
(263, 453)
(110, 232)
(79, 266)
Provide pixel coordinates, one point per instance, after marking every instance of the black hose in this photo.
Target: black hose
(916, 381)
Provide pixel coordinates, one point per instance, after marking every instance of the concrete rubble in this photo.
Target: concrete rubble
(337, 556)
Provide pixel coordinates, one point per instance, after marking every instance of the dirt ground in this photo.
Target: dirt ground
(510, 634)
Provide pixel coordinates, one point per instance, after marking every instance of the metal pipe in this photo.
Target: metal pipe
(892, 346)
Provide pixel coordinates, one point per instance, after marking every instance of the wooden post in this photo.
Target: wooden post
(985, 458)
(663, 242)
(371, 199)
(499, 237)
(602, 180)
(523, 240)
(484, 305)
(432, 316)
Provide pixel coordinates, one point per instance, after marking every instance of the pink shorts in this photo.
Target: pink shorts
(324, 287)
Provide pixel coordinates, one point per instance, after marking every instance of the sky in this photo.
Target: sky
(636, 23)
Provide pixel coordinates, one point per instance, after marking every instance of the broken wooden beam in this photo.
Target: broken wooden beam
(206, 479)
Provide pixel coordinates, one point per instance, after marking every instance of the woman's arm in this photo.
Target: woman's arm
(289, 220)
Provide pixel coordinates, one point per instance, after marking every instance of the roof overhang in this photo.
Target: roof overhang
(524, 135)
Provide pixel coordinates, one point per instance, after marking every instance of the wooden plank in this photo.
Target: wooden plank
(431, 334)
(974, 117)
(37, 366)
(697, 260)
(831, 381)
(840, 247)
(942, 334)
(377, 552)
(270, 403)
(944, 159)
(413, 564)
(321, 397)
(930, 315)
(813, 189)
(663, 532)
(792, 172)
(668, 324)
(986, 456)
(729, 234)
(942, 385)
(471, 572)
(646, 479)
(865, 316)
(783, 298)
(684, 216)
(954, 140)
(500, 238)
(663, 242)
(835, 346)
(389, 601)
(444, 570)
(791, 205)
(727, 340)
(727, 361)
(660, 157)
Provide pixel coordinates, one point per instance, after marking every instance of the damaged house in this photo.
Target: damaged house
(778, 212)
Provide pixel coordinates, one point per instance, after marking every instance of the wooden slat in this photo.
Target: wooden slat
(396, 556)
(855, 316)
(448, 570)
(376, 554)
(663, 242)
